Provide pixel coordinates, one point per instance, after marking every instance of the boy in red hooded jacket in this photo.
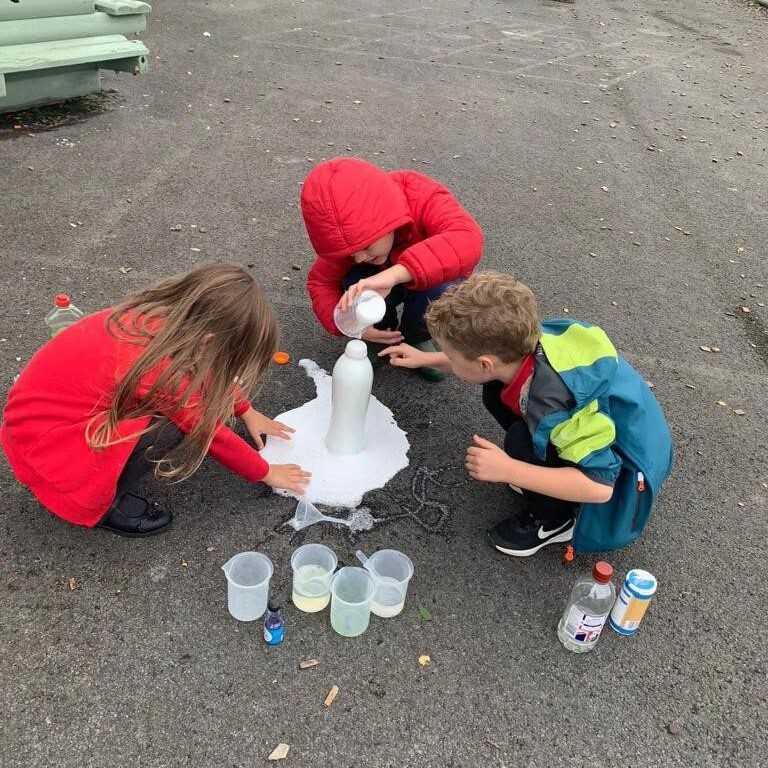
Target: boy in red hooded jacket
(399, 233)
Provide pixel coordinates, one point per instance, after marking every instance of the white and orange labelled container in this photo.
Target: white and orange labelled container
(632, 602)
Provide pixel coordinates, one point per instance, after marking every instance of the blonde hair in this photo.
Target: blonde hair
(206, 333)
(488, 314)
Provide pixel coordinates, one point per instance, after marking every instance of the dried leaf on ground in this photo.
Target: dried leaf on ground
(308, 663)
(72, 584)
(424, 660)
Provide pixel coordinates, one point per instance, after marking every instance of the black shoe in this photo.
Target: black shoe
(523, 535)
(131, 515)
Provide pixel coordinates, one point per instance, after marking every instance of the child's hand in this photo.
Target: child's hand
(258, 424)
(382, 337)
(487, 462)
(405, 356)
(380, 283)
(290, 477)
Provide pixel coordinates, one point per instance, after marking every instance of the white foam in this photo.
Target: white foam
(339, 481)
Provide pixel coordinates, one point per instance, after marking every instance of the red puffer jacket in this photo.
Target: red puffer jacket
(347, 204)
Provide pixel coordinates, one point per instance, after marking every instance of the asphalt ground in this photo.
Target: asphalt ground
(615, 156)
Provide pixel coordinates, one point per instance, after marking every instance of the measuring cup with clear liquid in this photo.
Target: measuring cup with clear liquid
(313, 566)
(391, 571)
(351, 594)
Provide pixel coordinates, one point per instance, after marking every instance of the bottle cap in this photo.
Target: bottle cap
(62, 300)
(273, 605)
(281, 358)
(602, 572)
(356, 349)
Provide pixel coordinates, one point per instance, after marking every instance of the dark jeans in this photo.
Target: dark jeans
(519, 445)
(412, 324)
(151, 447)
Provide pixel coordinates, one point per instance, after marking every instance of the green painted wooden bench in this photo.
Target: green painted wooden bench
(52, 50)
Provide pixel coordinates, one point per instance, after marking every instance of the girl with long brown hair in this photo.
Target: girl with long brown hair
(146, 385)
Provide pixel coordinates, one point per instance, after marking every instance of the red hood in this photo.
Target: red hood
(347, 204)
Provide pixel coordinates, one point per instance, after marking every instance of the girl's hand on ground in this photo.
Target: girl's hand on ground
(487, 462)
(382, 337)
(405, 356)
(289, 477)
(259, 424)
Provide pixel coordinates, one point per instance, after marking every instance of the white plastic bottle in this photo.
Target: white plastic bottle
(366, 310)
(350, 394)
(63, 314)
(585, 615)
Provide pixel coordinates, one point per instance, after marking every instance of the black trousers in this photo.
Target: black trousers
(519, 445)
(151, 447)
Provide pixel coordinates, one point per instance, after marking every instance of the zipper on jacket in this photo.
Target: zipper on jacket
(640, 489)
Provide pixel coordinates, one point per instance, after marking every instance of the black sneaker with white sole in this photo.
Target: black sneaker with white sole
(523, 535)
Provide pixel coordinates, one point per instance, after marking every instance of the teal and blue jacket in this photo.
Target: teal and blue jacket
(601, 416)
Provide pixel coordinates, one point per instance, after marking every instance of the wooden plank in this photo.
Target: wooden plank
(41, 9)
(64, 53)
(69, 27)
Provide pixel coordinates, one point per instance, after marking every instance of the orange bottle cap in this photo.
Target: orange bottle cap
(281, 358)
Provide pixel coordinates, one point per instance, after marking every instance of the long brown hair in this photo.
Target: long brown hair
(205, 332)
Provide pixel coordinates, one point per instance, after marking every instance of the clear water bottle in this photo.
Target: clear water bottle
(585, 615)
(63, 314)
(274, 624)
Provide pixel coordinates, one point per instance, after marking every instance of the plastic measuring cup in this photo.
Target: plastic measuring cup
(391, 571)
(313, 566)
(351, 594)
(248, 575)
(366, 310)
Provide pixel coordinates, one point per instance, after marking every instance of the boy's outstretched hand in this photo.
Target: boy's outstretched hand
(290, 477)
(405, 356)
(487, 462)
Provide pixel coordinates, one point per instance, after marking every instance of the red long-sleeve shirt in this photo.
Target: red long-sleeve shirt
(66, 382)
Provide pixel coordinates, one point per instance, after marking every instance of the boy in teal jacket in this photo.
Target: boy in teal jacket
(586, 441)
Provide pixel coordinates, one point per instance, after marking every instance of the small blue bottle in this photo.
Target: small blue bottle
(274, 624)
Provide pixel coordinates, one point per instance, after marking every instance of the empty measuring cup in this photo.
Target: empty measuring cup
(313, 566)
(391, 571)
(248, 575)
(351, 594)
